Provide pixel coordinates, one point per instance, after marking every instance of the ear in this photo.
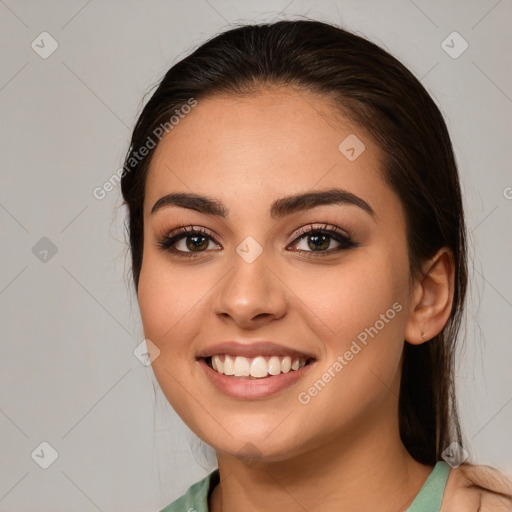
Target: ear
(431, 298)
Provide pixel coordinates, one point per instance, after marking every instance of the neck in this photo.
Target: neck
(366, 470)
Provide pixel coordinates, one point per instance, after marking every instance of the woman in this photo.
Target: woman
(299, 255)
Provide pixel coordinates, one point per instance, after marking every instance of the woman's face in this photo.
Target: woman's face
(257, 291)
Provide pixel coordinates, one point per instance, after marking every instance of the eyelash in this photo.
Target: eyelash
(167, 241)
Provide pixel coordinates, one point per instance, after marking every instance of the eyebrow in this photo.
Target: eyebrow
(279, 208)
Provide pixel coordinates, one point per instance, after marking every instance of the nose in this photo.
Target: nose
(250, 295)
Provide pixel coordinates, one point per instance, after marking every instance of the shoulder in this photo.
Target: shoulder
(477, 488)
(196, 497)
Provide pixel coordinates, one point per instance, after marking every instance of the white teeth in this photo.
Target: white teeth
(228, 366)
(217, 364)
(257, 367)
(274, 365)
(241, 367)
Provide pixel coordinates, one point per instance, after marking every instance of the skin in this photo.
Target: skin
(341, 451)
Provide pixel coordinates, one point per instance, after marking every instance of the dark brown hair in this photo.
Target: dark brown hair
(377, 93)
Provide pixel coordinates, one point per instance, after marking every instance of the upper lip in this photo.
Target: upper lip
(252, 349)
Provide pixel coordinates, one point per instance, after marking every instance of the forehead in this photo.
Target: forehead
(257, 147)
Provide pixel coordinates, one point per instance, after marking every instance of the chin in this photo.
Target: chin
(270, 445)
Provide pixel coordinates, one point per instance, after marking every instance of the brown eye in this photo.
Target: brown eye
(194, 243)
(321, 240)
(187, 241)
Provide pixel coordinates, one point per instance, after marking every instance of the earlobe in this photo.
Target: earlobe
(432, 298)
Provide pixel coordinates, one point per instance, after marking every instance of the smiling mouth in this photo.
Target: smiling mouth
(259, 367)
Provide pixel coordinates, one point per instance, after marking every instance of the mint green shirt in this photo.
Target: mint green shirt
(428, 499)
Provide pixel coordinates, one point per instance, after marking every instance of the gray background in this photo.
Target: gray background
(69, 320)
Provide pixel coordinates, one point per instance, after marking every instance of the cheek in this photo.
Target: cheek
(345, 299)
(363, 317)
(362, 312)
(169, 303)
(167, 298)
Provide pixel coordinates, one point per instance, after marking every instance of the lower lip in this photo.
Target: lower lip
(253, 389)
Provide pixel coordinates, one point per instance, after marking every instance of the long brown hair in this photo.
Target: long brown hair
(375, 91)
